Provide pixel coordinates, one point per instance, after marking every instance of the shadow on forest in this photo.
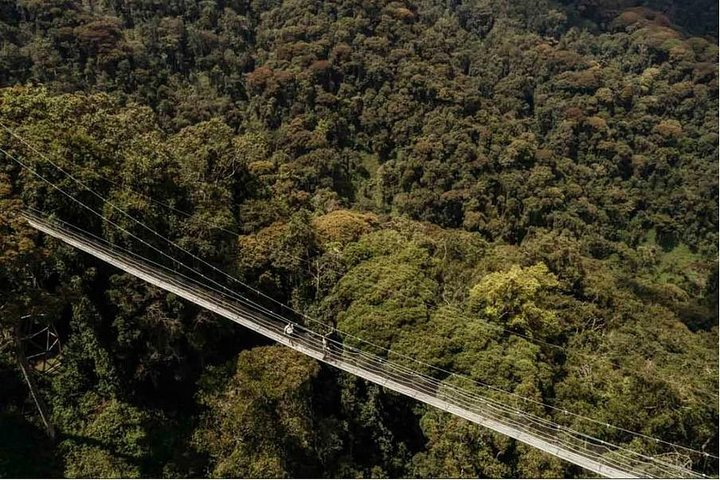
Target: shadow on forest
(25, 450)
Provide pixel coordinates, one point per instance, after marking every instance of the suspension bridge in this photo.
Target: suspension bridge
(588, 452)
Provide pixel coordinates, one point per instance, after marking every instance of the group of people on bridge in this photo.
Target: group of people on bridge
(331, 341)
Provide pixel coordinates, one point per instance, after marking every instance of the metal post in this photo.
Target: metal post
(34, 391)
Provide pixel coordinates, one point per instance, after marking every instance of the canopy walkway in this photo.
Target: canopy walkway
(593, 454)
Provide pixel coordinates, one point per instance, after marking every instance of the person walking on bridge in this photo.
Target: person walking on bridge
(289, 332)
(325, 347)
(332, 343)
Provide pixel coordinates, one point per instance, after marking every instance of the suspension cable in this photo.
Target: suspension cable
(262, 294)
(483, 400)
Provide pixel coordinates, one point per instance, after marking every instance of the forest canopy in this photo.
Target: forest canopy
(523, 192)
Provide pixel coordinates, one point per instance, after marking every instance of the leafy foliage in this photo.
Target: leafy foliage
(521, 192)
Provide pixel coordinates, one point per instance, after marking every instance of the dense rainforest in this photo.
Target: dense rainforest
(521, 191)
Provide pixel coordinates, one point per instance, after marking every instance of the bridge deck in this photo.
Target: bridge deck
(387, 374)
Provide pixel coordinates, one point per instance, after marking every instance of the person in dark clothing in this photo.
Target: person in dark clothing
(334, 341)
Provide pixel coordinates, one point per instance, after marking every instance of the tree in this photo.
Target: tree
(259, 422)
(515, 299)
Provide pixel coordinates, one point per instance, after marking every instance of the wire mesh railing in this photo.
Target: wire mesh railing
(447, 393)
